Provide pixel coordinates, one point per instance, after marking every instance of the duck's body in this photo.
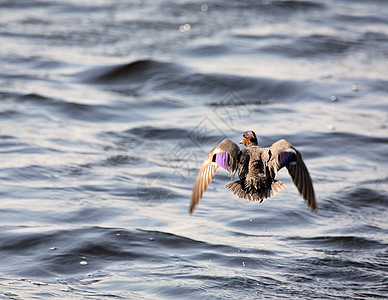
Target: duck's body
(257, 168)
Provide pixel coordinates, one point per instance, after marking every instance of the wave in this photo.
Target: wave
(116, 112)
(61, 252)
(311, 46)
(321, 45)
(158, 133)
(149, 76)
(339, 243)
(356, 198)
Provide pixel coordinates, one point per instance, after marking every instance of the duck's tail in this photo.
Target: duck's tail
(239, 188)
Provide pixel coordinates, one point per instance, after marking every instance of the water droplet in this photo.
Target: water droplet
(83, 263)
(243, 264)
(355, 87)
(185, 27)
(152, 239)
(331, 127)
(204, 7)
(250, 220)
(333, 98)
(53, 248)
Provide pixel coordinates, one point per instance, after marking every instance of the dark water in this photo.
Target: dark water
(108, 109)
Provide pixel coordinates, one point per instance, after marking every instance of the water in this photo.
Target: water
(108, 109)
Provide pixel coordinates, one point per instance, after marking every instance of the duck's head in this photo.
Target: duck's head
(249, 138)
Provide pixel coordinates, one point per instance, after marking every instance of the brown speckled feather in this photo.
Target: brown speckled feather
(257, 181)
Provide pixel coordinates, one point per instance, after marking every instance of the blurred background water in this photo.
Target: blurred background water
(108, 109)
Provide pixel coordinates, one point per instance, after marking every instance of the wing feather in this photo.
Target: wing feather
(297, 170)
(209, 169)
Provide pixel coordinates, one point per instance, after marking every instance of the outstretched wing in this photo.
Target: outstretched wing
(226, 155)
(284, 154)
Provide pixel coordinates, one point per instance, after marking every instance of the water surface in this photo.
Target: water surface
(108, 109)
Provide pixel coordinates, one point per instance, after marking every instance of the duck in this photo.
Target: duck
(256, 168)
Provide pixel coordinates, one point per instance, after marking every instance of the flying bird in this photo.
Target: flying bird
(256, 168)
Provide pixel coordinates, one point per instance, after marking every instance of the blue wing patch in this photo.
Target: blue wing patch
(285, 158)
(222, 159)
